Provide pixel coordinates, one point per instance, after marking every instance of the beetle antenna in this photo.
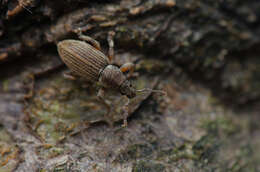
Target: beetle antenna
(151, 90)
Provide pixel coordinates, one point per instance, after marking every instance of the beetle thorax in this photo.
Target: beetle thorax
(111, 77)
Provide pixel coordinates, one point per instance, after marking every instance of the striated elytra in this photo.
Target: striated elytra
(82, 59)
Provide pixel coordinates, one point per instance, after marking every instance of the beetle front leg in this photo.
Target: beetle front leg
(126, 112)
(101, 95)
(129, 67)
(86, 38)
(110, 41)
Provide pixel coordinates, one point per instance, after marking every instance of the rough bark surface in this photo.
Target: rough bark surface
(204, 54)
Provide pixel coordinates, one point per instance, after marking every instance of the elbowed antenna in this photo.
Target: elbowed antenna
(151, 90)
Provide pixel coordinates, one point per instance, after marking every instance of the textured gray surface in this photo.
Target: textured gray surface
(203, 53)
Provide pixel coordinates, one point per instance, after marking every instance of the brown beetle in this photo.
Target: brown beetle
(87, 61)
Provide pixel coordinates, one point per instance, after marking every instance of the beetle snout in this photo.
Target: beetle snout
(131, 93)
(127, 89)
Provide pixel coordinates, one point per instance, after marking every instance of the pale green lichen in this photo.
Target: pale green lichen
(5, 85)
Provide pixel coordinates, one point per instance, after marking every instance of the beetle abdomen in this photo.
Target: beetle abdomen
(82, 58)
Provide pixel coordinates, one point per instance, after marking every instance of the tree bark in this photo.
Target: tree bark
(199, 52)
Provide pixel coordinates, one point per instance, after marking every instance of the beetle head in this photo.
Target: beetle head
(127, 89)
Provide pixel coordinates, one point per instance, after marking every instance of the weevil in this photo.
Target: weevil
(85, 60)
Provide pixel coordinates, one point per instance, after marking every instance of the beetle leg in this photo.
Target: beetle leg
(110, 41)
(101, 95)
(128, 67)
(86, 38)
(125, 112)
(69, 75)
